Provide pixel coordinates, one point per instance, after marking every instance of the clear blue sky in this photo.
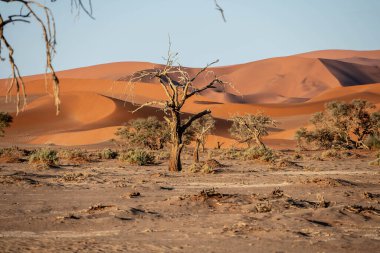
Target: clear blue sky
(126, 30)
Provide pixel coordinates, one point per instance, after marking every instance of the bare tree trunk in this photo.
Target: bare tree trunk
(259, 142)
(177, 145)
(175, 157)
(196, 151)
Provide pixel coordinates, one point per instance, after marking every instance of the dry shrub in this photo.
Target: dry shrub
(200, 168)
(137, 157)
(375, 162)
(12, 155)
(163, 155)
(207, 167)
(44, 158)
(76, 156)
(259, 153)
(331, 154)
(108, 153)
(231, 154)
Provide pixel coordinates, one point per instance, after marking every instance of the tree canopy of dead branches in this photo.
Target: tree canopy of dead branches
(179, 87)
(31, 11)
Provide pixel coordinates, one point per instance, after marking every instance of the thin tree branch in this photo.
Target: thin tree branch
(193, 118)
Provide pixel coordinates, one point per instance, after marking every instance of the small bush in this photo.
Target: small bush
(45, 157)
(201, 168)
(297, 156)
(373, 142)
(331, 154)
(149, 133)
(12, 154)
(74, 156)
(259, 153)
(376, 162)
(109, 154)
(138, 157)
(163, 156)
(231, 154)
(5, 121)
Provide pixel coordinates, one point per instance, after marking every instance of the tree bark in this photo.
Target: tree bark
(196, 151)
(177, 145)
(259, 142)
(175, 157)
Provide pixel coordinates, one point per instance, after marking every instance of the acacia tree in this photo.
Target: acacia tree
(202, 128)
(250, 128)
(147, 133)
(178, 87)
(341, 125)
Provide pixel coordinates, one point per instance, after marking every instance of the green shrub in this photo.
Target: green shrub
(44, 156)
(109, 154)
(145, 133)
(138, 157)
(342, 125)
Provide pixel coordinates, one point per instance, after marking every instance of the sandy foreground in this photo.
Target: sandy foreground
(108, 206)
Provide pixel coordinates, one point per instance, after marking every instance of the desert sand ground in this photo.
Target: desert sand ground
(311, 205)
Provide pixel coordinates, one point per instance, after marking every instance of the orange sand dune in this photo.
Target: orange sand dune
(290, 89)
(341, 54)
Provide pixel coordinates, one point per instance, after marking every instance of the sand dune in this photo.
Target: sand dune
(349, 74)
(95, 103)
(341, 54)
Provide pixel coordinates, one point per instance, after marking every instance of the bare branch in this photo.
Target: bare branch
(193, 118)
(208, 86)
(160, 103)
(220, 9)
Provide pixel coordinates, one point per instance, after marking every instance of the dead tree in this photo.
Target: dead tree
(202, 128)
(179, 87)
(30, 10)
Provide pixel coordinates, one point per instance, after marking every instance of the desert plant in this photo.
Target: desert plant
(259, 153)
(44, 156)
(74, 155)
(5, 121)
(145, 133)
(250, 128)
(231, 153)
(137, 157)
(108, 153)
(12, 154)
(202, 128)
(201, 168)
(341, 125)
(178, 86)
(331, 154)
(373, 141)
